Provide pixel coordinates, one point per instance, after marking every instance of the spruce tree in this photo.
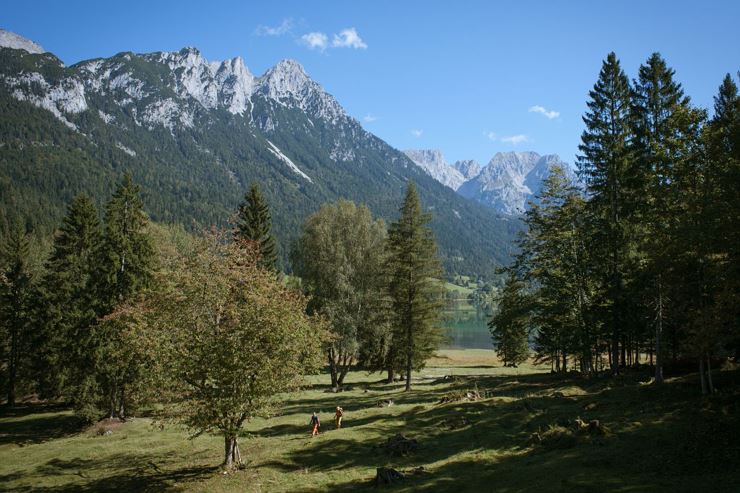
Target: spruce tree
(254, 223)
(123, 270)
(509, 326)
(414, 286)
(662, 131)
(68, 296)
(16, 300)
(604, 166)
(126, 253)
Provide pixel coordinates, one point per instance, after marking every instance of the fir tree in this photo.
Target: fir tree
(604, 166)
(254, 223)
(415, 289)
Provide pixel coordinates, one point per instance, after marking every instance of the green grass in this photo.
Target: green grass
(665, 438)
(461, 291)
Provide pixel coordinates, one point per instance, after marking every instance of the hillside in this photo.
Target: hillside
(195, 133)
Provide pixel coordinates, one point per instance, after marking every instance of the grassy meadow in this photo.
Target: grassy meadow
(518, 437)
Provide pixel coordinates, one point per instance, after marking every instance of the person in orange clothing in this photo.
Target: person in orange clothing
(316, 424)
(338, 417)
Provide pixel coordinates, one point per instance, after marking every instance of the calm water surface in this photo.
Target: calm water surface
(466, 329)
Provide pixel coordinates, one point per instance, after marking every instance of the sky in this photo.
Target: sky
(469, 78)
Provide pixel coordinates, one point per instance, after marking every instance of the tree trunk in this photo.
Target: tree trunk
(232, 456)
(346, 364)
(389, 379)
(332, 368)
(13, 370)
(659, 335)
(702, 377)
(709, 375)
(122, 404)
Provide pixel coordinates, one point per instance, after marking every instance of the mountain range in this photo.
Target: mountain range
(506, 184)
(195, 133)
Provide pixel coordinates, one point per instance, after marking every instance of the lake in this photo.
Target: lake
(466, 329)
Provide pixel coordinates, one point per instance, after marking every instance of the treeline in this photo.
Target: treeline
(643, 265)
(125, 313)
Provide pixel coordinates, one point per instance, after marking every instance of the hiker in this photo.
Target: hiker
(316, 424)
(338, 417)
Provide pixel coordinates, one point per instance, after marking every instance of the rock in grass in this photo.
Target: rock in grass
(387, 475)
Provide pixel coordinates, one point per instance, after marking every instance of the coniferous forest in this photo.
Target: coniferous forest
(636, 264)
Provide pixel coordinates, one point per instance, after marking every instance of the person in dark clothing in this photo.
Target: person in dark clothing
(315, 425)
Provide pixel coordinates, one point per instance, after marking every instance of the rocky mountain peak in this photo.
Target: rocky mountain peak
(15, 41)
(469, 168)
(433, 162)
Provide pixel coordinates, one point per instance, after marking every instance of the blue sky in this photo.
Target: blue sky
(470, 78)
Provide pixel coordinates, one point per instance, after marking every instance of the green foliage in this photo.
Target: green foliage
(605, 167)
(67, 299)
(417, 295)
(126, 254)
(230, 338)
(340, 257)
(510, 324)
(16, 311)
(254, 223)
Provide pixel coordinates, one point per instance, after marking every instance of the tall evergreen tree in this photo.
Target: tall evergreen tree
(16, 296)
(68, 297)
(509, 326)
(254, 223)
(414, 286)
(126, 253)
(604, 166)
(663, 133)
(124, 267)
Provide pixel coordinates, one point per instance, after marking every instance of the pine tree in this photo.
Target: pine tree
(509, 326)
(254, 223)
(604, 166)
(16, 298)
(68, 296)
(414, 286)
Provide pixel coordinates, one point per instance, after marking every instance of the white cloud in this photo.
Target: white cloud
(283, 28)
(550, 114)
(515, 139)
(417, 133)
(315, 41)
(369, 118)
(491, 135)
(348, 38)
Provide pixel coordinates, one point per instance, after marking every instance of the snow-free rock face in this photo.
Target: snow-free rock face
(12, 40)
(506, 184)
(469, 168)
(510, 180)
(433, 162)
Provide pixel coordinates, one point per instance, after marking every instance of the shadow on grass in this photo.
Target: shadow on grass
(25, 425)
(660, 438)
(123, 473)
